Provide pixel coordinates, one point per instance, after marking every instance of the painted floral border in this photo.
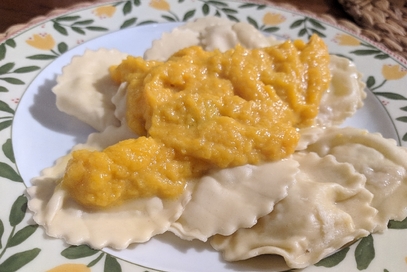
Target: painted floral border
(21, 240)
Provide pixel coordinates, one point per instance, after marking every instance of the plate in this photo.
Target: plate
(33, 133)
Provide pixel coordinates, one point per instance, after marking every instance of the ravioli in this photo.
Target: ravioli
(232, 198)
(382, 162)
(345, 94)
(326, 208)
(84, 89)
(135, 221)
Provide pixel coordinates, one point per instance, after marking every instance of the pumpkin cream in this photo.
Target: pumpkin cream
(202, 110)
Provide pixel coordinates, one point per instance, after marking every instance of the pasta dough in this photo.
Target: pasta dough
(326, 208)
(232, 198)
(344, 96)
(382, 162)
(84, 89)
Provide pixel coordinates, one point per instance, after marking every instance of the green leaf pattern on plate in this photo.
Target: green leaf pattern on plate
(17, 237)
(3, 47)
(263, 26)
(389, 73)
(308, 26)
(48, 40)
(7, 69)
(112, 265)
(19, 260)
(334, 259)
(76, 252)
(370, 50)
(398, 224)
(75, 23)
(365, 252)
(82, 251)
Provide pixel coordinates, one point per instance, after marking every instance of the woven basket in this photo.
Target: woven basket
(383, 21)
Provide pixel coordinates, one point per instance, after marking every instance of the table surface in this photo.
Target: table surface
(20, 12)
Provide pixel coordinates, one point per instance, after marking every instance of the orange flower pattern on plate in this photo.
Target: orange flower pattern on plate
(105, 11)
(160, 5)
(273, 18)
(70, 268)
(347, 40)
(41, 41)
(393, 72)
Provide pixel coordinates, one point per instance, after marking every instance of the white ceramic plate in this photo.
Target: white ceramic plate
(33, 133)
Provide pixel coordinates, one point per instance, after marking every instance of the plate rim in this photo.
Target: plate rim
(76, 9)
